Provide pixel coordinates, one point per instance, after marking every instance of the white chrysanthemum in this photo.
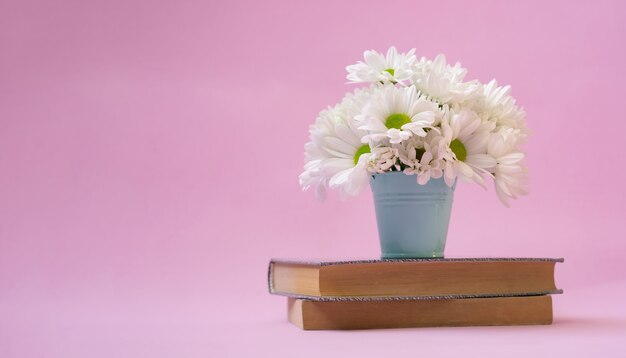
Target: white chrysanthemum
(420, 157)
(465, 137)
(432, 162)
(510, 176)
(410, 152)
(422, 118)
(393, 68)
(383, 159)
(498, 106)
(397, 114)
(442, 82)
(335, 157)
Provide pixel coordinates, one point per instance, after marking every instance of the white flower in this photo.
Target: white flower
(383, 159)
(510, 176)
(409, 154)
(432, 162)
(397, 114)
(421, 118)
(420, 156)
(442, 82)
(496, 105)
(335, 156)
(393, 68)
(465, 137)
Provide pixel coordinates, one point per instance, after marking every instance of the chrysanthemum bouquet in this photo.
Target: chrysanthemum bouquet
(419, 117)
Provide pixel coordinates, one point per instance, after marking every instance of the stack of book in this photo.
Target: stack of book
(415, 293)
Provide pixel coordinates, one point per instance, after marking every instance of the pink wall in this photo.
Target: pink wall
(150, 152)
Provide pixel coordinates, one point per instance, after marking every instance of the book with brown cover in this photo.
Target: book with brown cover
(390, 313)
(452, 278)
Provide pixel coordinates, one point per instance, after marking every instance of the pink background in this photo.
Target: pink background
(150, 152)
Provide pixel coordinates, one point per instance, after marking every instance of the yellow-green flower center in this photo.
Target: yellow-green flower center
(397, 120)
(458, 148)
(365, 148)
(391, 71)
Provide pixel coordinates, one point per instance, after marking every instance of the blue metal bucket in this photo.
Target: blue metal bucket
(412, 218)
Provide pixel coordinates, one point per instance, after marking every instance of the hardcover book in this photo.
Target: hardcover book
(451, 278)
(391, 313)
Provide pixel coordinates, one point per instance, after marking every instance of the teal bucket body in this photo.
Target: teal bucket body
(412, 218)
